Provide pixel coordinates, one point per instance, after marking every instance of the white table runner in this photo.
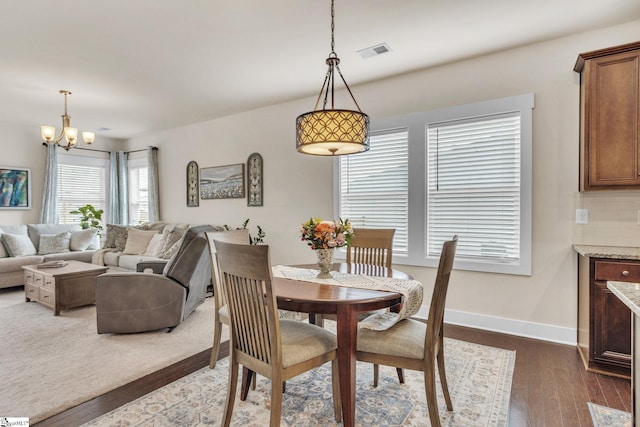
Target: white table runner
(412, 290)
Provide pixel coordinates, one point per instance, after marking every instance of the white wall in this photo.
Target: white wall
(297, 186)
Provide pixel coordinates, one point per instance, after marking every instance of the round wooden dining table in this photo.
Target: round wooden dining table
(345, 303)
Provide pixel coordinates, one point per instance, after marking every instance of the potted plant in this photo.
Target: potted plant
(90, 217)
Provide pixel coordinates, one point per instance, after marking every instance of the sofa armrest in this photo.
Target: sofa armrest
(156, 267)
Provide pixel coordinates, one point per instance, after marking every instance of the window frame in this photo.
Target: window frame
(139, 163)
(417, 125)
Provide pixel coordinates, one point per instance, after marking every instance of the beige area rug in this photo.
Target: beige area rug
(49, 364)
(479, 381)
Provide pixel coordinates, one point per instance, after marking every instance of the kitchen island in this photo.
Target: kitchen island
(629, 294)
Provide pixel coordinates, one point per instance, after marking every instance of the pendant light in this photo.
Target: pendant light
(331, 131)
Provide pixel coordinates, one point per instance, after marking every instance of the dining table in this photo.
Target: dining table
(315, 297)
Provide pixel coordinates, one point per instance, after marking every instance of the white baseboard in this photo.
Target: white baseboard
(539, 331)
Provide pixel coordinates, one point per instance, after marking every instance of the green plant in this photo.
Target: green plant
(90, 217)
(259, 238)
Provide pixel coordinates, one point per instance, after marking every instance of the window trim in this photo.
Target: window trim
(417, 124)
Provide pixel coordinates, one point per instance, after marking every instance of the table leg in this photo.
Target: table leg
(347, 331)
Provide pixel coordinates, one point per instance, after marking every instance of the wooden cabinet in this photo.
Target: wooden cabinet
(604, 322)
(610, 118)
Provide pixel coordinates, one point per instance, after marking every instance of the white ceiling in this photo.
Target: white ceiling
(136, 66)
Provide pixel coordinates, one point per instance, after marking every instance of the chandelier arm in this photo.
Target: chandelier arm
(348, 88)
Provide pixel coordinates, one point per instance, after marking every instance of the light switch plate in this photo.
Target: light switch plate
(582, 216)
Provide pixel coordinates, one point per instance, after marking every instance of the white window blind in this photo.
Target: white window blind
(79, 185)
(374, 186)
(138, 191)
(473, 187)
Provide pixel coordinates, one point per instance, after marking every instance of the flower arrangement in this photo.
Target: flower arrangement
(321, 234)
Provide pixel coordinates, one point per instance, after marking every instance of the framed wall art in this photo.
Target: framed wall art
(193, 191)
(254, 180)
(15, 188)
(222, 182)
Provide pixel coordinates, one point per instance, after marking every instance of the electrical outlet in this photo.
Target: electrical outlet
(582, 216)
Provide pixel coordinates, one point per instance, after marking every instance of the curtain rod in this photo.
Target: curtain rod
(105, 151)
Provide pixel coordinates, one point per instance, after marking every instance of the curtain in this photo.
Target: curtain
(49, 210)
(118, 186)
(154, 192)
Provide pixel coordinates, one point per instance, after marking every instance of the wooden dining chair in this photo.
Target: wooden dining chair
(260, 341)
(411, 344)
(221, 311)
(371, 246)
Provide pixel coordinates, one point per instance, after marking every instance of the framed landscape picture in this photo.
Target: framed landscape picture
(222, 182)
(15, 188)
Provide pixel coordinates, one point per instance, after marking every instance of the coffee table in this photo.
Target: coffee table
(62, 288)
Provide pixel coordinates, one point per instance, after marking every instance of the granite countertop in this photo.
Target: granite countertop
(617, 252)
(628, 293)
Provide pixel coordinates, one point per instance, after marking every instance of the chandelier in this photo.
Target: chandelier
(70, 134)
(332, 132)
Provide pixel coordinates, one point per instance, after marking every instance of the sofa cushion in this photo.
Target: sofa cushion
(83, 256)
(10, 265)
(14, 229)
(18, 244)
(130, 262)
(54, 243)
(82, 239)
(116, 237)
(154, 246)
(137, 241)
(35, 230)
(111, 259)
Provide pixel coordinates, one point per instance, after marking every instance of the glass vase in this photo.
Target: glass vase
(325, 261)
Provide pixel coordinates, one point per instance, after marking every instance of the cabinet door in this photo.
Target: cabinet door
(611, 125)
(612, 328)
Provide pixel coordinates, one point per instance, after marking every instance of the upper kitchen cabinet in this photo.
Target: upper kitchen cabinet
(610, 118)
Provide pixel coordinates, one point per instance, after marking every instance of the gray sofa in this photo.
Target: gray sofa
(129, 302)
(46, 242)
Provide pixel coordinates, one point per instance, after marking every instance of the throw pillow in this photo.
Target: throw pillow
(80, 240)
(18, 244)
(172, 237)
(54, 243)
(155, 245)
(138, 240)
(116, 237)
(3, 251)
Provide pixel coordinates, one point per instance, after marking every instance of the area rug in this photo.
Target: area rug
(603, 416)
(52, 363)
(479, 382)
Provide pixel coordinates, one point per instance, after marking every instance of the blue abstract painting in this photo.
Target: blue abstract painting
(15, 188)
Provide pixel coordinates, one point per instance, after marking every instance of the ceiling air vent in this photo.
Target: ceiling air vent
(376, 50)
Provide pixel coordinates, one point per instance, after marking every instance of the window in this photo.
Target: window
(81, 181)
(374, 185)
(469, 173)
(138, 191)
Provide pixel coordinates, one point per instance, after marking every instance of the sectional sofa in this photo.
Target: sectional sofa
(28, 244)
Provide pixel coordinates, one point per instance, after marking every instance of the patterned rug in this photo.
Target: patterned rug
(479, 382)
(608, 417)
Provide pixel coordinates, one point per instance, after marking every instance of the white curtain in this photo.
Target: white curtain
(118, 188)
(49, 210)
(154, 192)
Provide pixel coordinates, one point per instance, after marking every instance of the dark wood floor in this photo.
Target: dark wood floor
(550, 385)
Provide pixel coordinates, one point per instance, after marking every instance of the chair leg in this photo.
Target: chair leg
(376, 370)
(430, 390)
(400, 373)
(335, 383)
(247, 376)
(231, 392)
(276, 402)
(217, 334)
(443, 378)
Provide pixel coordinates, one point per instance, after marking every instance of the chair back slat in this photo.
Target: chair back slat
(439, 296)
(246, 280)
(371, 246)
